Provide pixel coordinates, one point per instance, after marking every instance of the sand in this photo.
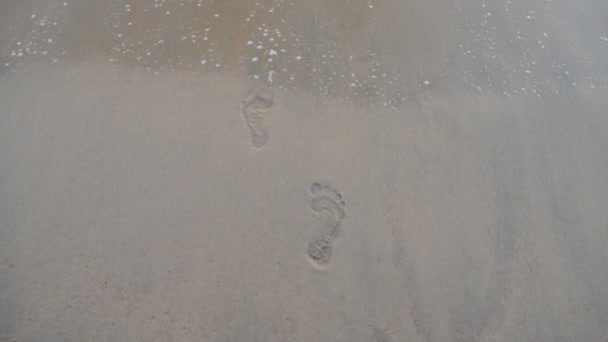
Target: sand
(303, 171)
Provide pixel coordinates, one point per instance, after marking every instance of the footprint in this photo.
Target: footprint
(255, 109)
(327, 206)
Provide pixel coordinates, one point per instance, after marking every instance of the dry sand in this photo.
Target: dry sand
(236, 170)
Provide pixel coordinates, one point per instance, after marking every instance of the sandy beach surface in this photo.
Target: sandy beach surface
(282, 170)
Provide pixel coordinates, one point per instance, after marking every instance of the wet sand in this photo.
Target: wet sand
(303, 171)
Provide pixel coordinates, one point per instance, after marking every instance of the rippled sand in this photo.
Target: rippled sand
(303, 171)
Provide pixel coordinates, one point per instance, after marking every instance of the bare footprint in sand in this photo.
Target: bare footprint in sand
(255, 108)
(327, 206)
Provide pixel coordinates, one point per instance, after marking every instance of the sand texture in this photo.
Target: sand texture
(345, 170)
